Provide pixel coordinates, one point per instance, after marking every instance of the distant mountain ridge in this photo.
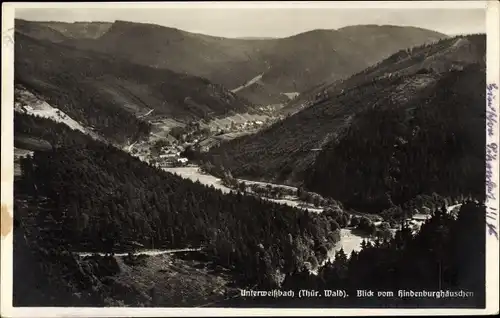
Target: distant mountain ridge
(287, 65)
(255, 38)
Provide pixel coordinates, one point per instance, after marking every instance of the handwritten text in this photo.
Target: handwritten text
(491, 160)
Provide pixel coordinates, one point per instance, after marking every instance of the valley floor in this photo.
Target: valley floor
(193, 173)
(349, 241)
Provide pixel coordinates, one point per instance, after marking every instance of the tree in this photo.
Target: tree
(355, 221)
(300, 192)
(363, 244)
(316, 201)
(365, 225)
(384, 231)
(333, 212)
(313, 261)
(242, 186)
(340, 263)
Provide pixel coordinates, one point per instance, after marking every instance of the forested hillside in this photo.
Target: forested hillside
(285, 65)
(110, 94)
(437, 57)
(78, 30)
(382, 138)
(45, 131)
(389, 154)
(440, 258)
(89, 196)
(39, 31)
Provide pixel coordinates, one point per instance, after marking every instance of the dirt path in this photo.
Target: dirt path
(145, 252)
(149, 112)
(250, 82)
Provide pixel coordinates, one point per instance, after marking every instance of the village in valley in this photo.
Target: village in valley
(170, 150)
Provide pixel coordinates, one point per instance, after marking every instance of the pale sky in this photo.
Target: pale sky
(270, 22)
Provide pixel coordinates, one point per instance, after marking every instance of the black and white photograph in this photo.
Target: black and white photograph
(280, 157)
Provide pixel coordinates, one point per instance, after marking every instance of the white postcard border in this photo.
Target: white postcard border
(492, 246)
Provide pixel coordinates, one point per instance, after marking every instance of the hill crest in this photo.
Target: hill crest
(285, 63)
